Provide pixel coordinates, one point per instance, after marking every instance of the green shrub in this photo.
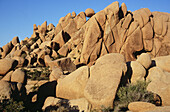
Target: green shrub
(62, 106)
(35, 88)
(45, 71)
(132, 93)
(9, 105)
(102, 109)
(42, 74)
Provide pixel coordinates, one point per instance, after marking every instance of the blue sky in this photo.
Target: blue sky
(18, 16)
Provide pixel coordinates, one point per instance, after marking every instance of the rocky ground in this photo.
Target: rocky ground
(116, 57)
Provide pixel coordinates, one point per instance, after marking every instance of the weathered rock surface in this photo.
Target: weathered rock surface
(55, 74)
(6, 65)
(104, 79)
(139, 38)
(138, 71)
(141, 106)
(18, 76)
(145, 60)
(160, 84)
(5, 89)
(50, 101)
(82, 104)
(163, 62)
(72, 86)
(160, 109)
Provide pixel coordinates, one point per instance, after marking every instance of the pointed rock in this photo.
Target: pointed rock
(15, 40)
(73, 14)
(124, 9)
(91, 37)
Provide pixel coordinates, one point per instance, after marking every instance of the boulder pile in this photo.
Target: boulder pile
(88, 60)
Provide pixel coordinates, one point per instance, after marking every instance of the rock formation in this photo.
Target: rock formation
(87, 61)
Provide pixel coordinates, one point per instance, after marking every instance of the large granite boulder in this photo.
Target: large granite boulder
(104, 80)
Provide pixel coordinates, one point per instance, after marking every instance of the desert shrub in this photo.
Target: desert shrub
(42, 74)
(62, 106)
(9, 105)
(45, 71)
(103, 109)
(35, 88)
(132, 93)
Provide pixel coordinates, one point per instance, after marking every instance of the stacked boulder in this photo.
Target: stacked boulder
(112, 30)
(89, 60)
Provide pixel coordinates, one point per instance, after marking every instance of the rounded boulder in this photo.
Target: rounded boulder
(89, 12)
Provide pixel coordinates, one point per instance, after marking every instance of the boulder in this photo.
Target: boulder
(104, 80)
(158, 22)
(64, 21)
(7, 77)
(133, 43)
(145, 60)
(133, 26)
(127, 21)
(108, 39)
(15, 40)
(124, 9)
(160, 84)
(21, 61)
(160, 109)
(138, 71)
(25, 48)
(18, 76)
(63, 51)
(50, 44)
(46, 43)
(80, 19)
(34, 28)
(43, 28)
(162, 89)
(50, 101)
(72, 86)
(6, 65)
(55, 74)
(61, 38)
(101, 18)
(141, 106)
(148, 45)
(92, 36)
(6, 49)
(69, 30)
(82, 104)
(58, 28)
(73, 14)
(5, 89)
(18, 53)
(155, 73)
(50, 27)
(32, 83)
(114, 7)
(41, 55)
(89, 12)
(64, 63)
(138, 18)
(147, 31)
(47, 60)
(163, 62)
